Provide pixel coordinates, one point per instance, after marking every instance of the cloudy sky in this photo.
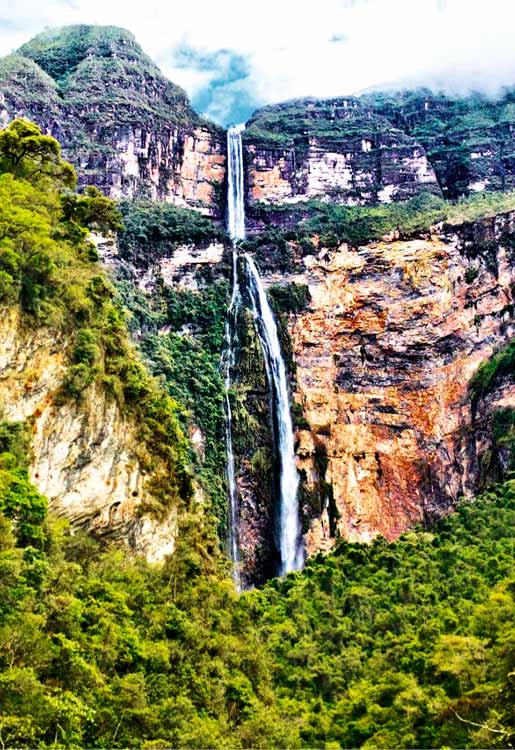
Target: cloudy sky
(232, 56)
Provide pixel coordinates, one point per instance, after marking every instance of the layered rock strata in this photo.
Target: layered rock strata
(381, 146)
(384, 355)
(332, 149)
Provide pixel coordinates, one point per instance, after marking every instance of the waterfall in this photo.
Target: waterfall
(235, 195)
(236, 229)
(288, 531)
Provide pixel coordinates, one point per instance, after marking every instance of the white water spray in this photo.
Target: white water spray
(235, 195)
(236, 229)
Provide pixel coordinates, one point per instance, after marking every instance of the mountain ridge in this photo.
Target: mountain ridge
(124, 126)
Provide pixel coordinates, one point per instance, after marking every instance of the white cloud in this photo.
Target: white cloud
(461, 43)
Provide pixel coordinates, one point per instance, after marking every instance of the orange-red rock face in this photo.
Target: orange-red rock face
(384, 356)
(202, 168)
(180, 166)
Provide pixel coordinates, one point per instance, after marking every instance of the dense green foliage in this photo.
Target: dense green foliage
(289, 298)
(287, 231)
(45, 259)
(489, 374)
(19, 500)
(187, 357)
(498, 460)
(180, 331)
(60, 51)
(48, 267)
(153, 230)
(409, 644)
(103, 66)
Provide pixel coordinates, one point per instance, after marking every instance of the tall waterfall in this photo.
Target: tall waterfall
(235, 195)
(288, 531)
(288, 521)
(236, 229)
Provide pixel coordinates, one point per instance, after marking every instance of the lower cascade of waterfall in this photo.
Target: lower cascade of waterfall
(288, 529)
(228, 362)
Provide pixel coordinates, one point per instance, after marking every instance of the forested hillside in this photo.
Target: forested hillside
(394, 645)
(408, 644)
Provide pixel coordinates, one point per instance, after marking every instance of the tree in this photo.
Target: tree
(28, 154)
(92, 210)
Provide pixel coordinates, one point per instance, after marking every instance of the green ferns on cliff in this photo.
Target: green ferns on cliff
(49, 268)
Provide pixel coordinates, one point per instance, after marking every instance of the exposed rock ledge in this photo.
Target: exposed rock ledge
(83, 454)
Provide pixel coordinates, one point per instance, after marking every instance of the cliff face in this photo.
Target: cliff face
(380, 357)
(317, 149)
(469, 140)
(124, 126)
(381, 354)
(384, 354)
(84, 454)
(380, 147)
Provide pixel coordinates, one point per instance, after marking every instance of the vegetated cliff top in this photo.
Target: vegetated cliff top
(405, 109)
(324, 118)
(60, 51)
(469, 140)
(102, 68)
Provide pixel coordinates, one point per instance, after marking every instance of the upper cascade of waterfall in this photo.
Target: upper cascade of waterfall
(236, 229)
(235, 191)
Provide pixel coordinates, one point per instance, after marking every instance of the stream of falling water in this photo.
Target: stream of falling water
(288, 531)
(236, 229)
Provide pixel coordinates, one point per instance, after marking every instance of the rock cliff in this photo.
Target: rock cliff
(332, 149)
(84, 454)
(381, 348)
(122, 124)
(384, 355)
(469, 140)
(381, 146)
